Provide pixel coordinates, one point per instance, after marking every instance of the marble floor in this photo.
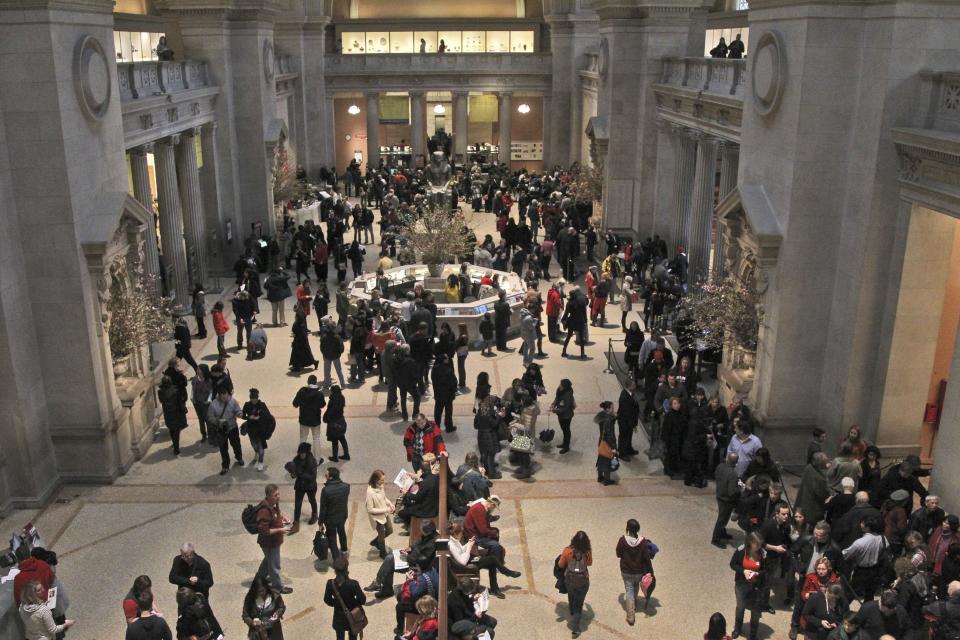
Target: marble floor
(105, 536)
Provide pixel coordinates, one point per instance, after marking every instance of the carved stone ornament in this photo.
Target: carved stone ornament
(909, 167)
(268, 60)
(768, 72)
(92, 78)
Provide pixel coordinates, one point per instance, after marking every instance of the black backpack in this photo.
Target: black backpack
(249, 519)
(947, 626)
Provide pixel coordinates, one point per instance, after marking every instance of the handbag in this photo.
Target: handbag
(216, 434)
(356, 617)
(605, 450)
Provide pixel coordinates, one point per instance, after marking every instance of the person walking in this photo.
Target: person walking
(564, 405)
(607, 443)
(173, 399)
(277, 286)
(301, 355)
(574, 320)
(379, 510)
(263, 610)
(463, 350)
(220, 327)
(272, 527)
(343, 594)
(259, 424)
(636, 555)
(728, 494)
(575, 560)
(749, 565)
(201, 388)
(336, 425)
(222, 415)
(334, 498)
(303, 468)
(331, 348)
(310, 401)
(182, 341)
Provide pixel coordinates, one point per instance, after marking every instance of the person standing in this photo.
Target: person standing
(501, 318)
(259, 425)
(574, 320)
(192, 571)
(421, 438)
(222, 415)
(628, 416)
(304, 470)
(199, 308)
(147, 625)
(220, 327)
(334, 498)
(574, 561)
(444, 392)
(463, 350)
(636, 568)
(564, 405)
(300, 353)
(343, 594)
(173, 399)
(310, 401)
(728, 494)
(272, 528)
(331, 348)
(37, 616)
(278, 290)
(749, 563)
(263, 609)
(553, 310)
(744, 444)
(336, 425)
(379, 510)
(605, 420)
(243, 311)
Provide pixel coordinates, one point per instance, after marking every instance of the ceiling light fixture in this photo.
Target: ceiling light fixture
(524, 108)
(353, 110)
(439, 110)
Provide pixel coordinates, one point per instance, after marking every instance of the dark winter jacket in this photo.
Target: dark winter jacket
(310, 401)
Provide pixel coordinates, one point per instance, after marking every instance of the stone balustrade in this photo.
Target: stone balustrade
(138, 80)
(719, 76)
(427, 63)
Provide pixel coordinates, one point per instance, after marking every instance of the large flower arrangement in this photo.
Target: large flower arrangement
(437, 235)
(586, 183)
(726, 311)
(286, 186)
(138, 315)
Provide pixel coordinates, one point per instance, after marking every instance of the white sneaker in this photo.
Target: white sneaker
(259, 466)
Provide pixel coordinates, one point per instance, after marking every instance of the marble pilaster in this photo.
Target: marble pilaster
(191, 202)
(547, 123)
(504, 122)
(373, 129)
(683, 186)
(141, 191)
(460, 102)
(171, 222)
(212, 199)
(418, 125)
(701, 214)
(729, 166)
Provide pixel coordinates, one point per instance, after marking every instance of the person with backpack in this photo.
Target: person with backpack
(574, 561)
(636, 555)
(259, 425)
(913, 589)
(944, 616)
(344, 595)
(271, 529)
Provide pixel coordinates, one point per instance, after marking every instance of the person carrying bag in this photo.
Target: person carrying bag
(346, 598)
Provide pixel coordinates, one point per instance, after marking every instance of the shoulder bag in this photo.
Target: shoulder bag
(356, 617)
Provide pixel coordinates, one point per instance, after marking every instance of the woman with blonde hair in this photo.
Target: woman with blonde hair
(427, 625)
(379, 510)
(37, 617)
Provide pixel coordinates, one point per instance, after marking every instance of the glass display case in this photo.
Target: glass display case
(431, 41)
(521, 41)
(401, 42)
(453, 40)
(474, 41)
(378, 41)
(136, 46)
(498, 41)
(354, 41)
(456, 41)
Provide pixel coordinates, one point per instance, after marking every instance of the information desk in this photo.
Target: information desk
(406, 278)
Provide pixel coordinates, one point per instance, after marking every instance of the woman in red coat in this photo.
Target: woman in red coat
(940, 541)
(220, 327)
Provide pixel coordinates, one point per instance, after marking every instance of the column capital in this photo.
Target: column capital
(211, 126)
(505, 94)
(460, 93)
(142, 150)
(169, 140)
(371, 95)
(416, 93)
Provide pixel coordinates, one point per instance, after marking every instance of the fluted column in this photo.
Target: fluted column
(191, 201)
(171, 222)
(141, 191)
(686, 148)
(460, 101)
(418, 125)
(729, 165)
(373, 129)
(701, 218)
(547, 124)
(506, 113)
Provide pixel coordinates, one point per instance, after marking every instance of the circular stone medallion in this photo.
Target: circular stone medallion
(768, 72)
(92, 78)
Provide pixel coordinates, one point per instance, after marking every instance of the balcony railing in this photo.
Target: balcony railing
(415, 63)
(145, 79)
(719, 76)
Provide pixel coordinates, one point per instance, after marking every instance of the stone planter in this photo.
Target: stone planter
(121, 367)
(435, 269)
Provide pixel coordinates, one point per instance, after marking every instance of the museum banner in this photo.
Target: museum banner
(484, 108)
(394, 110)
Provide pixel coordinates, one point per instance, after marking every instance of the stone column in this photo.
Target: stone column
(212, 201)
(683, 186)
(191, 200)
(141, 191)
(503, 120)
(943, 481)
(329, 152)
(547, 123)
(461, 100)
(418, 125)
(373, 130)
(729, 165)
(701, 215)
(171, 223)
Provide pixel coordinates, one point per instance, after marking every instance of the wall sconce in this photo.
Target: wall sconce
(524, 108)
(353, 110)
(439, 109)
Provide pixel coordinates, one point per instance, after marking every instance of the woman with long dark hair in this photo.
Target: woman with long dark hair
(575, 560)
(564, 405)
(263, 609)
(336, 424)
(716, 628)
(636, 568)
(343, 594)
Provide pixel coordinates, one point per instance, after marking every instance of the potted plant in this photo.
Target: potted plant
(437, 236)
(137, 315)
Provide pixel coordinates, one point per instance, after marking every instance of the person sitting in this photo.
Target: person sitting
(461, 606)
(464, 553)
(420, 555)
(472, 479)
(476, 525)
(424, 503)
(419, 583)
(427, 627)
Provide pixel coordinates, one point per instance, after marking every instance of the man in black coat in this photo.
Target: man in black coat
(407, 373)
(333, 511)
(421, 350)
(425, 503)
(310, 401)
(906, 476)
(574, 320)
(628, 415)
(460, 607)
(728, 494)
(192, 571)
(501, 320)
(847, 529)
(444, 392)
